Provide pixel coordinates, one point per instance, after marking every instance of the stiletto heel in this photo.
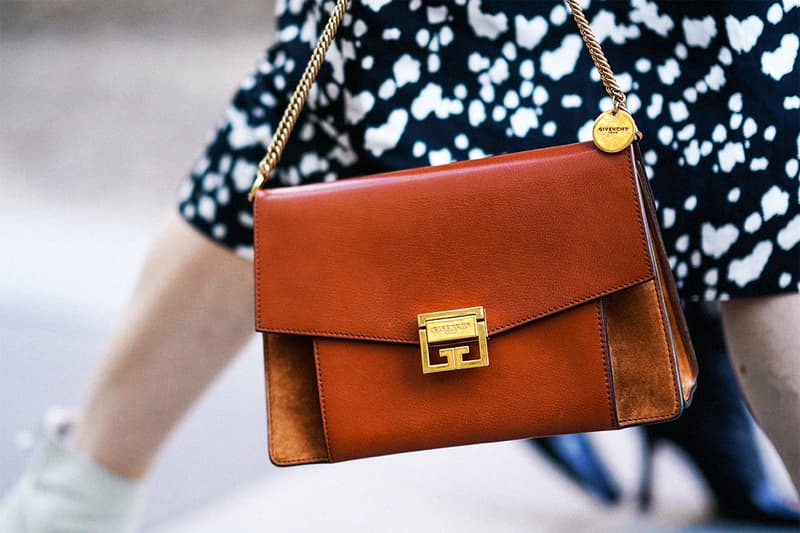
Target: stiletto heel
(716, 433)
(644, 495)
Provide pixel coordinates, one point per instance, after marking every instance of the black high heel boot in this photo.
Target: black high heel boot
(575, 457)
(717, 433)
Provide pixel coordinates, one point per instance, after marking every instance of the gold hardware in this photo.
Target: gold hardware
(613, 131)
(257, 183)
(445, 331)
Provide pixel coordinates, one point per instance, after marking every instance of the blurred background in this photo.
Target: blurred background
(104, 106)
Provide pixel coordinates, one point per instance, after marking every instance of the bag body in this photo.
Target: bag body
(509, 297)
(514, 296)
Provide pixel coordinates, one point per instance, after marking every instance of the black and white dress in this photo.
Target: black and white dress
(712, 84)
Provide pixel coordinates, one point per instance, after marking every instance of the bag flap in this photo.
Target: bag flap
(524, 235)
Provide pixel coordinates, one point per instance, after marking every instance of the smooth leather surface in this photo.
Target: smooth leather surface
(376, 401)
(522, 235)
(538, 238)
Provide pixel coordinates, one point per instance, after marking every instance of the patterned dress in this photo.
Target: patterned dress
(712, 84)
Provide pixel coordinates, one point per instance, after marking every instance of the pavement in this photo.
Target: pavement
(104, 107)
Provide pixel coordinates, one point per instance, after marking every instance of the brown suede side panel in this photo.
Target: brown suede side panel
(645, 387)
(684, 351)
(296, 433)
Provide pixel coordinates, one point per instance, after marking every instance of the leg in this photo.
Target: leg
(763, 341)
(190, 314)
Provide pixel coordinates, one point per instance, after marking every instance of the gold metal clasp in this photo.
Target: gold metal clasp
(452, 336)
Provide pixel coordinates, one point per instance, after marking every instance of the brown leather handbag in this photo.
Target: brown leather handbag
(514, 296)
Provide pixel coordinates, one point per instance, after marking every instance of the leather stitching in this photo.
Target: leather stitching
(606, 371)
(492, 331)
(571, 303)
(637, 203)
(317, 359)
(303, 460)
(270, 433)
(256, 261)
(342, 334)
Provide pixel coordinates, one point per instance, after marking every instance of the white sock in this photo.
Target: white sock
(65, 491)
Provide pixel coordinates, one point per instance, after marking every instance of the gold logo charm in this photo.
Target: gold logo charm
(613, 131)
(448, 334)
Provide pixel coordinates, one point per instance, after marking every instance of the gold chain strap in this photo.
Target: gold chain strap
(598, 57)
(298, 99)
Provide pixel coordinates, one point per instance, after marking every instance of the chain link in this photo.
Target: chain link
(298, 99)
(598, 57)
(300, 94)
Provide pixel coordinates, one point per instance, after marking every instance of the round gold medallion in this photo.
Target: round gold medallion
(613, 131)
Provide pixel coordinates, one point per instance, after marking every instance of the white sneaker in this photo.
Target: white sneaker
(65, 491)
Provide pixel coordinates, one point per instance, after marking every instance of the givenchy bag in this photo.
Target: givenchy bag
(514, 296)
